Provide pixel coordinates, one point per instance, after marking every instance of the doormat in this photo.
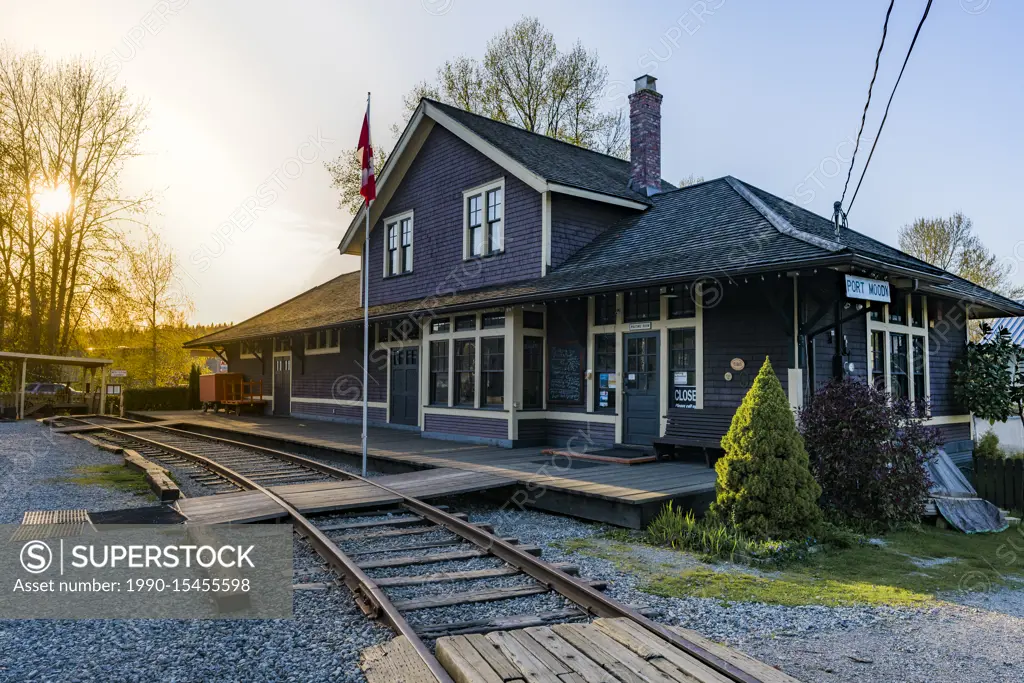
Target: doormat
(617, 456)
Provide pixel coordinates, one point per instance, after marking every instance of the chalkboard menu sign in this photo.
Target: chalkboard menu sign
(565, 374)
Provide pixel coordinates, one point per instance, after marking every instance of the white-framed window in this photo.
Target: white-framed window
(398, 244)
(484, 220)
(467, 360)
(898, 346)
(323, 341)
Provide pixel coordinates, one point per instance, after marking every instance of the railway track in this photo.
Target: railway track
(404, 566)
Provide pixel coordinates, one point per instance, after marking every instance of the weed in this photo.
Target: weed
(117, 477)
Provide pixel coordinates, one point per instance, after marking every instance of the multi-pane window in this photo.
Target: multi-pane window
(492, 371)
(323, 339)
(533, 320)
(642, 304)
(899, 382)
(878, 359)
(492, 321)
(440, 326)
(604, 371)
(898, 351)
(465, 372)
(485, 225)
(604, 309)
(919, 359)
(250, 348)
(682, 367)
(681, 303)
(283, 344)
(533, 372)
(495, 231)
(439, 372)
(398, 258)
(465, 323)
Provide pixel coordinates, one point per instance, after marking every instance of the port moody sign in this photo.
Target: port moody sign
(869, 290)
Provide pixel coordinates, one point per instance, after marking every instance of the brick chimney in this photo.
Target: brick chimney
(645, 137)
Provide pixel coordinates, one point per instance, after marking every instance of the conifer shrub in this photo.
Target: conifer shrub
(765, 488)
(868, 452)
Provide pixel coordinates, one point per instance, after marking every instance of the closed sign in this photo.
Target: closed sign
(868, 290)
(684, 397)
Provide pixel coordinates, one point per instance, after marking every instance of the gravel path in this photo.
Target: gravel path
(321, 643)
(976, 640)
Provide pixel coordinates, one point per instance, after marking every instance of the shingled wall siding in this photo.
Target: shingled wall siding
(340, 375)
(577, 222)
(743, 325)
(856, 333)
(251, 368)
(947, 342)
(581, 436)
(432, 189)
(484, 428)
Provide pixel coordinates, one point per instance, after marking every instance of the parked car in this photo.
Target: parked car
(51, 389)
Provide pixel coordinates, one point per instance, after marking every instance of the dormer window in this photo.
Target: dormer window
(398, 245)
(484, 220)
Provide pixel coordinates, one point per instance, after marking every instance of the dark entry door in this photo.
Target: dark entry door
(283, 385)
(405, 382)
(642, 397)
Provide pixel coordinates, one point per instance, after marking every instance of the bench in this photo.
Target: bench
(695, 429)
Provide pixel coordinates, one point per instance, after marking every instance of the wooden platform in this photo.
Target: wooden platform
(326, 496)
(625, 495)
(605, 651)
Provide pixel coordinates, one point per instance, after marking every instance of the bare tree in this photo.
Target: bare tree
(66, 131)
(159, 300)
(523, 80)
(951, 244)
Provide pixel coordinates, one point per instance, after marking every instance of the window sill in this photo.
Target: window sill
(484, 257)
(397, 275)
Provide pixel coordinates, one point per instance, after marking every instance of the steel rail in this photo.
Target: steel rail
(574, 589)
(370, 598)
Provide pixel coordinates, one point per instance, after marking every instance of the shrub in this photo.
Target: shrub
(988, 447)
(765, 488)
(868, 452)
(161, 398)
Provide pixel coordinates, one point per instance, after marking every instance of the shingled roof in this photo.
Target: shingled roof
(551, 159)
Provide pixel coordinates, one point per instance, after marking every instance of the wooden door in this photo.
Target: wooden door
(405, 381)
(282, 385)
(641, 389)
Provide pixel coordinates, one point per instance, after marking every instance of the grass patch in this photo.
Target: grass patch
(912, 568)
(117, 477)
(792, 589)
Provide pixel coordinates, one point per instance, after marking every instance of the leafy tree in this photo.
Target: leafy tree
(523, 80)
(867, 452)
(951, 243)
(765, 488)
(989, 379)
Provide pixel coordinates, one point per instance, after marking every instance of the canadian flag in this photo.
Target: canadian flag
(368, 183)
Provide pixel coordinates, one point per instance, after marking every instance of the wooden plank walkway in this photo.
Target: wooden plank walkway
(620, 494)
(605, 651)
(324, 496)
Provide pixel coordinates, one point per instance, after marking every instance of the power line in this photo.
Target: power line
(913, 42)
(864, 115)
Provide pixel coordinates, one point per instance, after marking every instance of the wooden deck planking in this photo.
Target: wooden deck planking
(325, 496)
(605, 651)
(640, 485)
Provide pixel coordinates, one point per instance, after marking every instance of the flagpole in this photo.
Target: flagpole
(366, 315)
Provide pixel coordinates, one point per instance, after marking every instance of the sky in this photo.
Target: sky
(250, 97)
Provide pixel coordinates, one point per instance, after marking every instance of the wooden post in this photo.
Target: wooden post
(103, 390)
(21, 397)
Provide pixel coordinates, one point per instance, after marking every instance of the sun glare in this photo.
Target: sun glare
(52, 201)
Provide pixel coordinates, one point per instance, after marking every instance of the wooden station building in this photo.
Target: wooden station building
(525, 291)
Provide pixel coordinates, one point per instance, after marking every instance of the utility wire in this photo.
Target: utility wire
(913, 42)
(864, 115)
